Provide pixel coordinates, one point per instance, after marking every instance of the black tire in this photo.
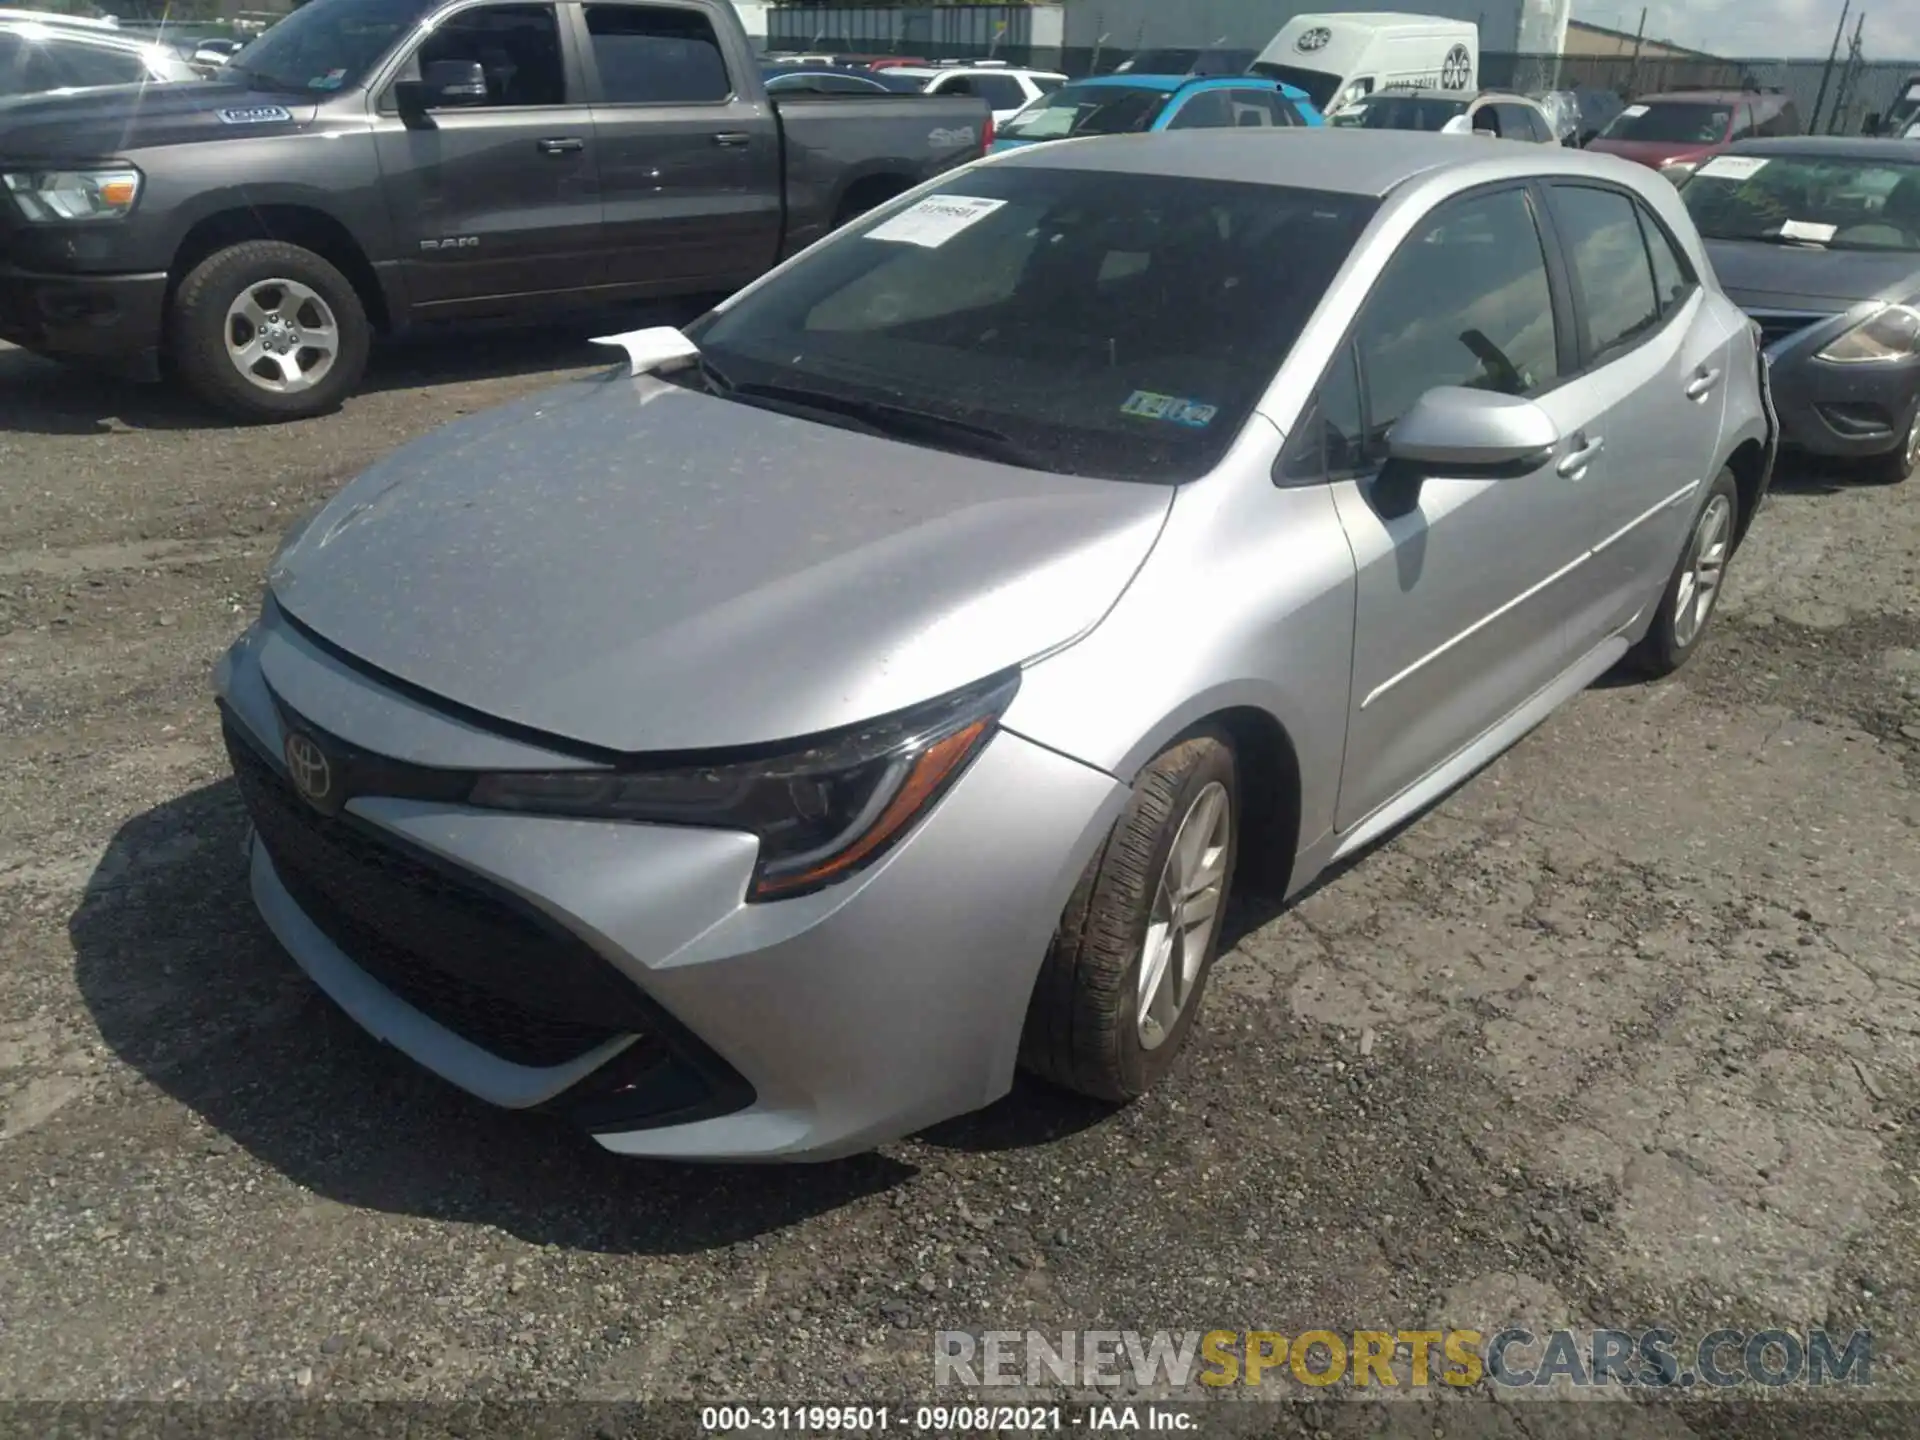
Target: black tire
(1897, 464)
(197, 342)
(1663, 650)
(1082, 1030)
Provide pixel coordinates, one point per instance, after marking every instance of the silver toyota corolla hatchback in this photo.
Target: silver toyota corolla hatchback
(760, 749)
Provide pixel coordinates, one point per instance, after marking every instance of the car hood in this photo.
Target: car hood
(1650, 152)
(640, 567)
(1760, 276)
(114, 120)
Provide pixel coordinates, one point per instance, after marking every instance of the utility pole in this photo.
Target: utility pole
(1633, 69)
(1820, 96)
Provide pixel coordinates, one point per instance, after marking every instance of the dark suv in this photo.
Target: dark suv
(1677, 132)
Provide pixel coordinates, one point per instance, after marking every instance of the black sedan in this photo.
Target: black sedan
(1818, 239)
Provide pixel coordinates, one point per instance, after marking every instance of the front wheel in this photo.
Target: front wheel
(1897, 464)
(1693, 590)
(1122, 982)
(269, 331)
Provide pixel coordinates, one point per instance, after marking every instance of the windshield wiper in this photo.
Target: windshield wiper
(879, 417)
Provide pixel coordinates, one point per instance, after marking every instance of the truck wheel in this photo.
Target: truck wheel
(1122, 982)
(265, 330)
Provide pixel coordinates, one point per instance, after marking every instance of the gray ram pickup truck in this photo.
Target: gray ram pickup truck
(377, 166)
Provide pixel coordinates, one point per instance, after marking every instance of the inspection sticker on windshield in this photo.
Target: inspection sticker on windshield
(255, 115)
(1171, 408)
(1808, 230)
(935, 221)
(1732, 167)
(1634, 112)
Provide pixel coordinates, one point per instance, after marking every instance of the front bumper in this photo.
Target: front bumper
(612, 973)
(1842, 412)
(110, 322)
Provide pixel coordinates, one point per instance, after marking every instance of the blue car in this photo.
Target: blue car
(1128, 104)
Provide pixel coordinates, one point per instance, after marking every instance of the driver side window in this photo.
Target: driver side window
(1465, 301)
(518, 46)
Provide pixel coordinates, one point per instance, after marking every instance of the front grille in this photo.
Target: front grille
(1776, 325)
(453, 946)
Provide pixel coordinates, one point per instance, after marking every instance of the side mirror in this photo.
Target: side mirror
(1482, 433)
(443, 85)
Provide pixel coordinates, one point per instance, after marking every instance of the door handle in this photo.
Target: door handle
(1579, 458)
(562, 145)
(733, 138)
(1702, 383)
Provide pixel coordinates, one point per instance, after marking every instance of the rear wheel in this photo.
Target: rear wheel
(1693, 590)
(265, 330)
(1123, 980)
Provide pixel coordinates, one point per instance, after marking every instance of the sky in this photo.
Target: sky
(1766, 28)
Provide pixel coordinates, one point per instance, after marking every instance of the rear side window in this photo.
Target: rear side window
(78, 64)
(1611, 271)
(1261, 109)
(1466, 302)
(1209, 110)
(655, 55)
(1001, 92)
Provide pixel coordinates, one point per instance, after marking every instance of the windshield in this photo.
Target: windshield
(1399, 112)
(326, 45)
(1319, 85)
(1088, 110)
(1672, 123)
(1114, 325)
(1839, 203)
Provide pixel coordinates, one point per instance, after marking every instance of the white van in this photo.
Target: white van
(1337, 59)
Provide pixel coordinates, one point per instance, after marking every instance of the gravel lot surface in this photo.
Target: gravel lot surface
(1626, 1032)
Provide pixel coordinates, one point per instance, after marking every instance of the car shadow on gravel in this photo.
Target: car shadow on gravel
(38, 397)
(190, 990)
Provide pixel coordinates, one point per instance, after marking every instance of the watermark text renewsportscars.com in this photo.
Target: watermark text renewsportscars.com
(1381, 1360)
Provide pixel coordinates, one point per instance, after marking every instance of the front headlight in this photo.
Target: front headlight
(821, 813)
(43, 196)
(1892, 333)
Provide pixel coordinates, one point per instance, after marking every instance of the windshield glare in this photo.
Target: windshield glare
(1844, 204)
(1087, 110)
(327, 45)
(1399, 112)
(1684, 124)
(1120, 326)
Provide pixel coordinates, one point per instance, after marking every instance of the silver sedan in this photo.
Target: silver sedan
(763, 748)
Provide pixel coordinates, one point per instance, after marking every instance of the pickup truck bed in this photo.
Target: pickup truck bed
(506, 161)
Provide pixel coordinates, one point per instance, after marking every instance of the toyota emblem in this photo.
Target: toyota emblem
(307, 766)
(1312, 40)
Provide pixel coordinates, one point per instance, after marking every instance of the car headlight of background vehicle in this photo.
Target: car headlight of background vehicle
(821, 813)
(43, 196)
(1890, 333)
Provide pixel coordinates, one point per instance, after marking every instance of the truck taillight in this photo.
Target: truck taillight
(986, 134)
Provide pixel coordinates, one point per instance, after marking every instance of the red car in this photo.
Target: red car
(1676, 133)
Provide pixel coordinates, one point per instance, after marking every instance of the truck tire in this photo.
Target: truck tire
(265, 330)
(1149, 905)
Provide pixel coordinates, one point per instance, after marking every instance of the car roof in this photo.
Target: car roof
(1837, 147)
(1344, 161)
(1171, 83)
(1702, 97)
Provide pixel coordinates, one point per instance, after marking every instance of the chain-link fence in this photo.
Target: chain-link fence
(1844, 94)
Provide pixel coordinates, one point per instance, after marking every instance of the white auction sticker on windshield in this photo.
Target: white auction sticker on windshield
(935, 221)
(1807, 230)
(1634, 112)
(1732, 167)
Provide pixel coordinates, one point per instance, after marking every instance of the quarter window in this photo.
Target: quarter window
(1260, 109)
(1001, 92)
(1672, 279)
(1610, 267)
(1209, 110)
(656, 55)
(1464, 302)
(518, 46)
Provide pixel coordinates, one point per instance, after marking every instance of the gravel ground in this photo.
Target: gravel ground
(1624, 1033)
